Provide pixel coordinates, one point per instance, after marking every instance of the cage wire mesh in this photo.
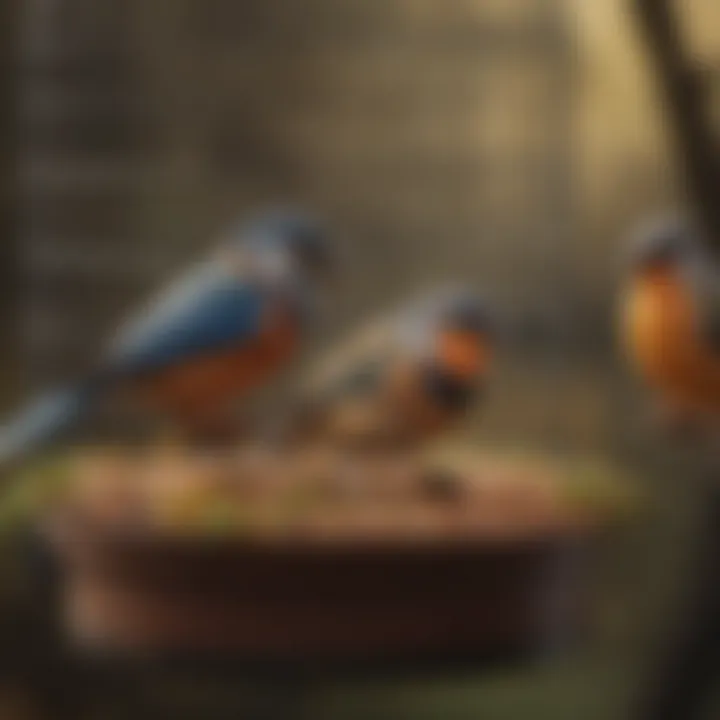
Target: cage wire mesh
(435, 137)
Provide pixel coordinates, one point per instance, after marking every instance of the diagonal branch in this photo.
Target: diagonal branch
(687, 102)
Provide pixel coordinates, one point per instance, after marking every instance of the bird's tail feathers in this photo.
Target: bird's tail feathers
(43, 422)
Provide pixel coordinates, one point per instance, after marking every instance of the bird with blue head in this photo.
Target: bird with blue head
(204, 342)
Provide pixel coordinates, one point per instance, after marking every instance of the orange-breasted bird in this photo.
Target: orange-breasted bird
(405, 378)
(224, 329)
(670, 318)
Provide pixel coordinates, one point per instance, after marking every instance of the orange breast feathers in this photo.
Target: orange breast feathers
(662, 335)
(199, 388)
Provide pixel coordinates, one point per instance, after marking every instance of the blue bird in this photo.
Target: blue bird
(207, 340)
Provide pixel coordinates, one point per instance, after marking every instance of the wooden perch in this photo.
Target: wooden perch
(685, 93)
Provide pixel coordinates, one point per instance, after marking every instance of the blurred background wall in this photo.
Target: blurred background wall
(8, 185)
(436, 138)
(508, 142)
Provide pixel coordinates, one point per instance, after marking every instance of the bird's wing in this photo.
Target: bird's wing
(352, 366)
(207, 310)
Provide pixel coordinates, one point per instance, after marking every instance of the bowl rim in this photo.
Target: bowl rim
(64, 528)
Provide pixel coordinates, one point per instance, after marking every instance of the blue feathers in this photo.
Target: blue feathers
(42, 422)
(207, 311)
(221, 304)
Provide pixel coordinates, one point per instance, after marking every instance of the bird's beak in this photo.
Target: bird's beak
(464, 354)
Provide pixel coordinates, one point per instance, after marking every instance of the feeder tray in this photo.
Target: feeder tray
(294, 596)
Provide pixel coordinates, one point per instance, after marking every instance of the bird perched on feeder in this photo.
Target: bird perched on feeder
(207, 340)
(670, 317)
(404, 379)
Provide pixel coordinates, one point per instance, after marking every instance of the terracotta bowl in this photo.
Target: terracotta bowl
(315, 600)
